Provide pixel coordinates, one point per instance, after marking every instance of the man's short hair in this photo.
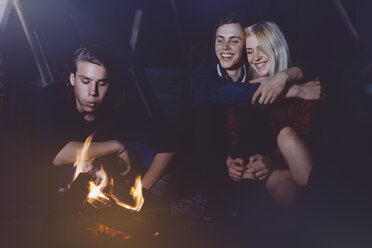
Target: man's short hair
(92, 54)
(229, 19)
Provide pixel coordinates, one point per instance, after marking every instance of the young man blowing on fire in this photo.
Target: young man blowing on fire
(93, 108)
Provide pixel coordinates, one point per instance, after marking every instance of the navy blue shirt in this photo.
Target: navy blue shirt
(208, 83)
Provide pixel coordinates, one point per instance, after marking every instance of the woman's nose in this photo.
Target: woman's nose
(257, 56)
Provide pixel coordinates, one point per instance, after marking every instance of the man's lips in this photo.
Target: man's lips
(226, 55)
(91, 104)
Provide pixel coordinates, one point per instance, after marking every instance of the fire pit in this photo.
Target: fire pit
(96, 208)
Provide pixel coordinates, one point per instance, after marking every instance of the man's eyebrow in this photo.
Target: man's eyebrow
(86, 78)
(231, 37)
(83, 77)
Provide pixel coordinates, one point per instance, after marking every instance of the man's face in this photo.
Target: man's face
(229, 44)
(90, 86)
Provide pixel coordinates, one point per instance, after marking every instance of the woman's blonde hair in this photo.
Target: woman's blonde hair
(272, 42)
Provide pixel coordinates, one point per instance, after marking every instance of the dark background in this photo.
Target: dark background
(174, 38)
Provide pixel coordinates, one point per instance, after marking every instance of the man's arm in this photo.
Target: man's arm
(206, 86)
(312, 90)
(160, 162)
(273, 86)
(97, 149)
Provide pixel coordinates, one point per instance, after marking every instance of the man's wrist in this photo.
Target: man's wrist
(293, 91)
(285, 75)
(121, 148)
(293, 74)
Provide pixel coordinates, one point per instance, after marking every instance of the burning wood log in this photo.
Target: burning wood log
(77, 193)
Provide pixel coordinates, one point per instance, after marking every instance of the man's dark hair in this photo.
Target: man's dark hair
(229, 19)
(92, 54)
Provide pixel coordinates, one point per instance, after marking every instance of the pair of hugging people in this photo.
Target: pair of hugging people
(253, 112)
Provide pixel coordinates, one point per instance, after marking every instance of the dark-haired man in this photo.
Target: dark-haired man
(90, 105)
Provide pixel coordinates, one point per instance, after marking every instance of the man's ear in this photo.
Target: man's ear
(72, 79)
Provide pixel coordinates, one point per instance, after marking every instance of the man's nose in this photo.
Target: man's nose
(226, 45)
(93, 89)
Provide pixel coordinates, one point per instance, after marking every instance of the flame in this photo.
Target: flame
(82, 158)
(135, 192)
(96, 189)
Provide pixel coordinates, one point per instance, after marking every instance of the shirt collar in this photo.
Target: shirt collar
(222, 73)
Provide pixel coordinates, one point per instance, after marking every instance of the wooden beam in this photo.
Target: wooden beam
(5, 8)
(31, 42)
(135, 29)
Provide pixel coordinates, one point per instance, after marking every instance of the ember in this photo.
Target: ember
(103, 232)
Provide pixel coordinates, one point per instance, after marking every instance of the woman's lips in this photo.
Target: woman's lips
(261, 64)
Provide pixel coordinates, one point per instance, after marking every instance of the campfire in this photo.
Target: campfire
(100, 182)
(101, 205)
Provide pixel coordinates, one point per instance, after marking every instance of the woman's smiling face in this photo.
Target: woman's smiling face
(258, 60)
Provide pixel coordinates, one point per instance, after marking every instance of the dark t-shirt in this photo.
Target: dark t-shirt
(59, 122)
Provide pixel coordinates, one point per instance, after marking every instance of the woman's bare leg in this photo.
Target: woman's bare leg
(282, 184)
(296, 154)
(282, 188)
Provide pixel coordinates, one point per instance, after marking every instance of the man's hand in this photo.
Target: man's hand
(88, 167)
(271, 87)
(312, 90)
(260, 166)
(124, 158)
(235, 167)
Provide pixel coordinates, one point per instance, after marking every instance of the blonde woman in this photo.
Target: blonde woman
(268, 55)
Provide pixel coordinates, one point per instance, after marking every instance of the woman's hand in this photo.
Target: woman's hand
(260, 166)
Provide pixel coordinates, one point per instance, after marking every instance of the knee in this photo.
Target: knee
(278, 178)
(282, 188)
(302, 181)
(286, 135)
